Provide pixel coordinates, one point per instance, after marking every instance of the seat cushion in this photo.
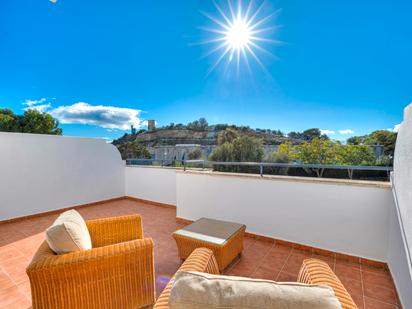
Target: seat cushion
(194, 290)
(68, 233)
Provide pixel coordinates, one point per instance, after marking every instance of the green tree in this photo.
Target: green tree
(356, 155)
(385, 138)
(227, 136)
(277, 132)
(286, 149)
(318, 151)
(284, 154)
(308, 135)
(223, 153)
(198, 125)
(380, 137)
(32, 121)
(247, 149)
(195, 154)
(8, 121)
(221, 126)
(133, 150)
(357, 140)
(314, 133)
(241, 149)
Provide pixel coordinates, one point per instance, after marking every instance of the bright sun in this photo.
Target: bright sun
(239, 33)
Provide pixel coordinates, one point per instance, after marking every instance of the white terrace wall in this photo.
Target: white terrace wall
(399, 260)
(151, 183)
(39, 173)
(350, 217)
(400, 236)
(344, 216)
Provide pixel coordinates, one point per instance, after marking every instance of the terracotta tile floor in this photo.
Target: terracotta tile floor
(369, 287)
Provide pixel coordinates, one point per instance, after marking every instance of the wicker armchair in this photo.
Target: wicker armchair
(202, 260)
(117, 273)
(313, 271)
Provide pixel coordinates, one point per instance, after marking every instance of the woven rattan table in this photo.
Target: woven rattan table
(225, 239)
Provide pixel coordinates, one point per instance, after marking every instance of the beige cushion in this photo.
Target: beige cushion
(194, 290)
(68, 233)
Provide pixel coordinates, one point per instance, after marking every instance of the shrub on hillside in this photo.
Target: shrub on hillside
(195, 154)
(133, 150)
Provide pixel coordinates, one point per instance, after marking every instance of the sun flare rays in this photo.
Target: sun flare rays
(239, 33)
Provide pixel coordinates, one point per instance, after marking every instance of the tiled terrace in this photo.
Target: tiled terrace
(370, 287)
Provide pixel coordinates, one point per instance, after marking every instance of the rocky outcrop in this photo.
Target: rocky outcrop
(172, 137)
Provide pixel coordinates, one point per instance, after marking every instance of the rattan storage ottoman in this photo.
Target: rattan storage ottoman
(225, 239)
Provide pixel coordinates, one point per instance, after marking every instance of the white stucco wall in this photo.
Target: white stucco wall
(39, 173)
(347, 218)
(156, 184)
(399, 261)
(400, 234)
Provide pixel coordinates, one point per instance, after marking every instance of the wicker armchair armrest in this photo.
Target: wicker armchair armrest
(114, 230)
(314, 271)
(112, 276)
(201, 260)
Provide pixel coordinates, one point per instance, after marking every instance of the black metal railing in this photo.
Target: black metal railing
(318, 169)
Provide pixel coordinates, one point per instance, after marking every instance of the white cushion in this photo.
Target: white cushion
(194, 290)
(68, 233)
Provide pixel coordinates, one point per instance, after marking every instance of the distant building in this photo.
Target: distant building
(151, 125)
(181, 151)
(378, 150)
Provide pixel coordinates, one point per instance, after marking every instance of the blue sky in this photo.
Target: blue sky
(100, 65)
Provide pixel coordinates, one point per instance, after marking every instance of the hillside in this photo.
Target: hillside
(173, 136)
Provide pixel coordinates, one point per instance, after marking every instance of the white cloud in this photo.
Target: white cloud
(108, 117)
(327, 132)
(41, 108)
(34, 102)
(395, 128)
(346, 131)
(37, 105)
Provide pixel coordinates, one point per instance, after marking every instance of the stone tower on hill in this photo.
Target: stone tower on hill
(151, 125)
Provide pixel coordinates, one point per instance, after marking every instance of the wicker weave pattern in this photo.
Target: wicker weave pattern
(109, 231)
(201, 260)
(224, 253)
(117, 275)
(314, 271)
